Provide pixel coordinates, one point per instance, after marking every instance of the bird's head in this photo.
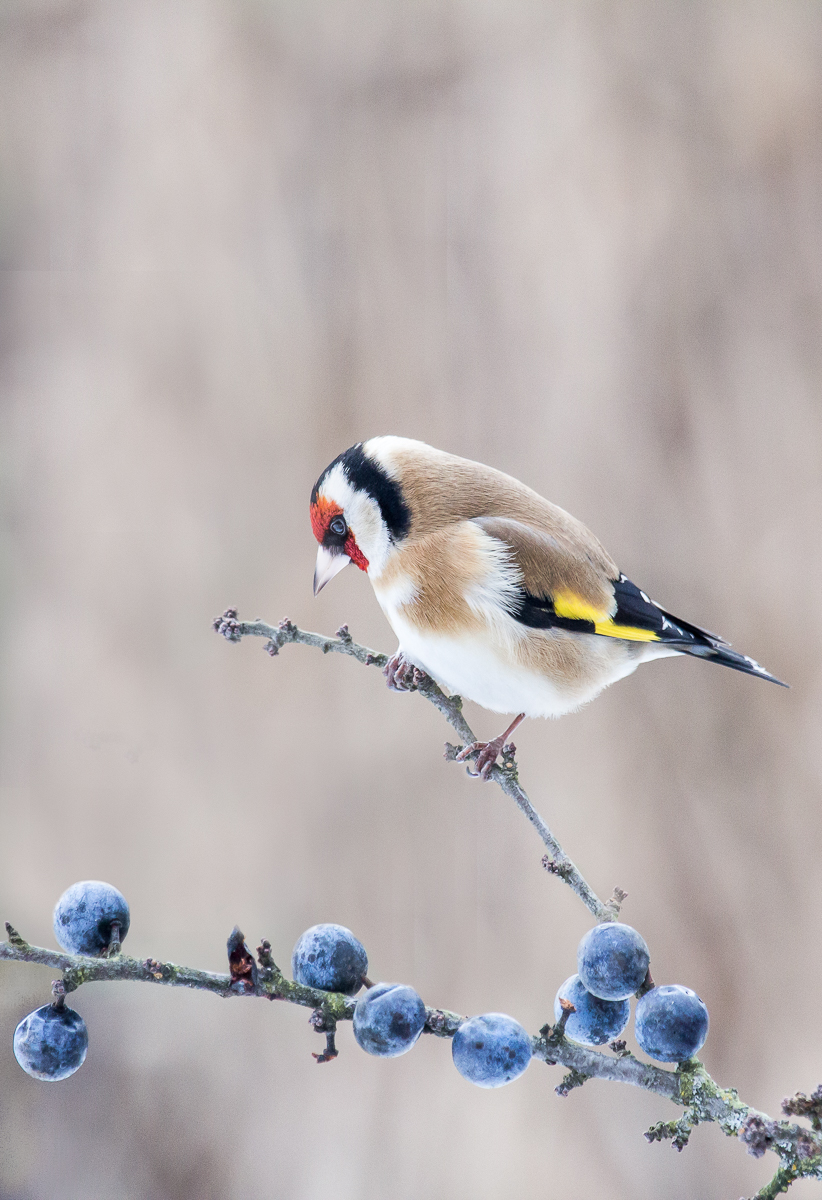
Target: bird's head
(358, 513)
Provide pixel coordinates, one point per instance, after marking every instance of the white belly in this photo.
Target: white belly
(480, 669)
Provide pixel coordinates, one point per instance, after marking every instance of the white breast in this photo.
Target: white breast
(473, 668)
(483, 667)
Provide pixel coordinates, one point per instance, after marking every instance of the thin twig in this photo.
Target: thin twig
(504, 774)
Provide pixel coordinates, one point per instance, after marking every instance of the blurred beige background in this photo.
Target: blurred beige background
(579, 241)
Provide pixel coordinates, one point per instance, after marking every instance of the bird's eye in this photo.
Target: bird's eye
(339, 527)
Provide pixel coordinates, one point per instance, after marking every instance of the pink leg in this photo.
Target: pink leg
(488, 751)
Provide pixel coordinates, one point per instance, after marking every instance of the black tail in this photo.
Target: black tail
(690, 639)
(720, 653)
(636, 609)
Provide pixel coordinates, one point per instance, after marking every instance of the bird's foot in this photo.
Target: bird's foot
(488, 754)
(400, 673)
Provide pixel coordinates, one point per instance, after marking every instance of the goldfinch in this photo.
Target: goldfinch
(496, 593)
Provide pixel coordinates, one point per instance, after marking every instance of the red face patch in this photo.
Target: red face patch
(354, 553)
(323, 512)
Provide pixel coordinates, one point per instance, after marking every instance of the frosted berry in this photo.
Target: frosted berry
(595, 1021)
(671, 1023)
(331, 958)
(85, 915)
(51, 1042)
(388, 1019)
(612, 961)
(491, 1050)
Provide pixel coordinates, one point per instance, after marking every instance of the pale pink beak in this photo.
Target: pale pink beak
(328, 565)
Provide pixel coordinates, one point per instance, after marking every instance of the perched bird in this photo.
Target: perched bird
(496, 593)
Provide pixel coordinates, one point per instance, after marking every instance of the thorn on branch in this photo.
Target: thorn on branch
(801, 1105)
(573, 1079)
(14, 937)
(241, 964)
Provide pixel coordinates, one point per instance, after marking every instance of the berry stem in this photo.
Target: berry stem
(113, 947)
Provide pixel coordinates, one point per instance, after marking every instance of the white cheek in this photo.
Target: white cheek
(366, 523)
(363, 516)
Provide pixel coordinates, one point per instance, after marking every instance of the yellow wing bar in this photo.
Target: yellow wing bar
(566, 604)
(630, 633)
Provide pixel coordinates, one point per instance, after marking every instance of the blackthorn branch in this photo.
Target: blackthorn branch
(551, 1045)
(690, 1086)
(703, 1100)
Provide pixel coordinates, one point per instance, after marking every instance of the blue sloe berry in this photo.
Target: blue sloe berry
(388, 1019)
(51, 1042)
(331, 958)
(612, 961)
(84, 915)
(491, 1050)
(671, 1023)
(595, 1021)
